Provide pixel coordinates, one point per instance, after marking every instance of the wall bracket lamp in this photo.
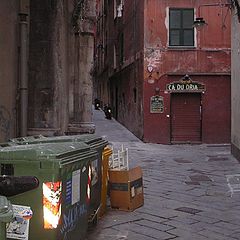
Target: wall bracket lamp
(200, 22)
(186, 78)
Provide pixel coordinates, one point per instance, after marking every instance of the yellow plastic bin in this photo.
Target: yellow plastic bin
(107, 152)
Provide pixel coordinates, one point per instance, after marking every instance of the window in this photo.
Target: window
(135, 95)
(114, 57)
(121, 58)
(181, 31)
(118, 8)
(114, 8)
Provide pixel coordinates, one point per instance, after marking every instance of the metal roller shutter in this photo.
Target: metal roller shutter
(185, 117)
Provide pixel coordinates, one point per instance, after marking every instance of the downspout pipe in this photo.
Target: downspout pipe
(23, 73)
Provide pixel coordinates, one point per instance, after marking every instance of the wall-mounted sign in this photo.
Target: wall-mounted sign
(156, 104)
(185, 86)
(150, 68)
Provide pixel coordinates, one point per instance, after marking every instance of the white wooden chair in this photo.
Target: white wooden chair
(233, 183)
(119, 160)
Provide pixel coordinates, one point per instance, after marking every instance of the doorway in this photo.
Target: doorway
(186, 120)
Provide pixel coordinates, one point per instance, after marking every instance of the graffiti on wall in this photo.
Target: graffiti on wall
(5, 120)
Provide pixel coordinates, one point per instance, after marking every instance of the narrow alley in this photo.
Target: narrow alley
(186, 191)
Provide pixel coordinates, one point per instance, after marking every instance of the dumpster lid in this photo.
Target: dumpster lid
(40, 151)
(26, 139)
(90, 139)
(6, 144)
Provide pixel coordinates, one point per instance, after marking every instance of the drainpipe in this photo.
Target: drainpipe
(23, 68)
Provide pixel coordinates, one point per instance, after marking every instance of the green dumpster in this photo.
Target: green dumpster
(61, 201)
(96, 143)
(6, 215)
(7, 144)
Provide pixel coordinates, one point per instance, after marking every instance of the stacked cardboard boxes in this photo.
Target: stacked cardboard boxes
(126, 189)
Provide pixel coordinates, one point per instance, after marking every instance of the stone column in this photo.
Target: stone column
(48, 107)
(83, 25)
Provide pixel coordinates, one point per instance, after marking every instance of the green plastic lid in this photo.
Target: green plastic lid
(91, 139)
(44, 151)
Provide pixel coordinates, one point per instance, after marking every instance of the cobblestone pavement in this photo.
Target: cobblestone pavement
(186, 192)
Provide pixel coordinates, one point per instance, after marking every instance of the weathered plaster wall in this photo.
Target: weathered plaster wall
(216, 109)
(126, 81)
(211, 54)
(127, 89)
(51, 71)
(48, 69)
(235, 135)
(8, 67)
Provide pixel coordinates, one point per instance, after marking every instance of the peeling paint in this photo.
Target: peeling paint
(5, 117)
(153, 57)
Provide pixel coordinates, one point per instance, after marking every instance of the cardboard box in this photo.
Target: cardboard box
(126, 189)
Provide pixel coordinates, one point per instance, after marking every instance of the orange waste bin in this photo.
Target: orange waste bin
(107, 152)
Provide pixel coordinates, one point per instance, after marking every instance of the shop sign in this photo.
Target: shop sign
(156, 104)
(185, 86)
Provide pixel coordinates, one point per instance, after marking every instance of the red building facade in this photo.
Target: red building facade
(169, 82)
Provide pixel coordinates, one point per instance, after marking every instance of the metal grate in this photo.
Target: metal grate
(192, 183)
(200, 178)
(218, 145)
(188, 210)
(180, 160)
(216, 159)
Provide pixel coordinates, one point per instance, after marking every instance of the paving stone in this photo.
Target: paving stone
(185, 219)
(236, 234)
(163, 213)
(184, 226)
(108, 234)
(214, 235)
(136, 236)
(198, 192)
(170, 173)
(146, 231)
(195, 237)
(227, 225)
(151, 224)
(186, 235)
(152, 217)
(118, 218)
(214, 214)
(205, 219)
(223, 231)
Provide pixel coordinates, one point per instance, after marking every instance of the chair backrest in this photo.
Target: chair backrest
(119, 159)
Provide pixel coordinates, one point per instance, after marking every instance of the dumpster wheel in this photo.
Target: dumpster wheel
(93, 218)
